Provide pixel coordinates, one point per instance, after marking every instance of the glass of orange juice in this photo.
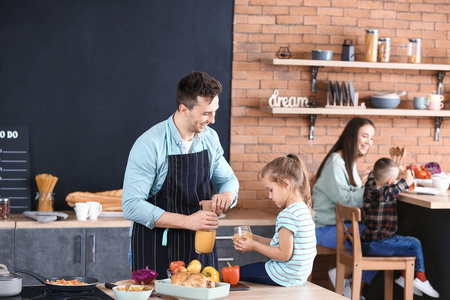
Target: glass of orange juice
(205, 239)
(243, 232)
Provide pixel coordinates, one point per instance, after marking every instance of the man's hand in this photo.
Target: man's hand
(221, 202)
(202, 220)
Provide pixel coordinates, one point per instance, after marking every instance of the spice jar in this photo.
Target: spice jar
(371, 44)
(384, 49)
(4, 209)
(414, 51)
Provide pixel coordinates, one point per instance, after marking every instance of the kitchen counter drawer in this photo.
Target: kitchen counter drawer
(101, 253)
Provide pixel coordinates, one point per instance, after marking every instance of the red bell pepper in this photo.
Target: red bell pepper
(231, 274)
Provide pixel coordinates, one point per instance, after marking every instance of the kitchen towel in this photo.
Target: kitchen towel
(45, 216)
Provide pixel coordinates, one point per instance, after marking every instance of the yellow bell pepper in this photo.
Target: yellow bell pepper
(195, 266)
(211, 272)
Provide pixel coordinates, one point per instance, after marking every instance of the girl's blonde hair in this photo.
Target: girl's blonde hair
(292, 168)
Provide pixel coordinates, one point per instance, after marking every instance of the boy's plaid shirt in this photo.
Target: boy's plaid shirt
(380, 209)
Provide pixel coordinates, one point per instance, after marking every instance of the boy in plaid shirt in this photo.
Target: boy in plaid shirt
(380, 217)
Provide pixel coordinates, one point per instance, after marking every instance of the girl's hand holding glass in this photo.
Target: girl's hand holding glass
(243, 238)
(242, 232)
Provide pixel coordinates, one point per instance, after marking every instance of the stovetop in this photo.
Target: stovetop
(41, 292)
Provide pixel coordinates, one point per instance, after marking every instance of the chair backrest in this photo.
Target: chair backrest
(350, 233)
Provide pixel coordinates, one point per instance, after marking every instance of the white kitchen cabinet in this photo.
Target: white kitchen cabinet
(101, 253)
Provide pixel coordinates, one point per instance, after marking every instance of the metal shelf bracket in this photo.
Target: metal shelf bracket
(312, 124)
(314, 71)
(438, 128)
(441, 80)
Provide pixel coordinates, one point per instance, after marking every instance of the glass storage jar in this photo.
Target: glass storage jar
(4, 208)
(414, 51)
(371, 45)
(384, 49)
(45, 201)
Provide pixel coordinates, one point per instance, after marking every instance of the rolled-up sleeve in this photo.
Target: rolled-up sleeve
(222, 176)
(140, 175)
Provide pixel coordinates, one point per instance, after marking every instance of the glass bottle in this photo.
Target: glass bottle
(371, 45)
(205, 239)
(414, 51)
(384, 49)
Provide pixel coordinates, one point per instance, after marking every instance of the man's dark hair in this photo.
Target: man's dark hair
(197, 84)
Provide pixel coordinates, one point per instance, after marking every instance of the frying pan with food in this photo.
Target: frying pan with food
(90, 282)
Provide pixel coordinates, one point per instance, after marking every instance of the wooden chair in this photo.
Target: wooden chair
(322, 253)
(354, 258)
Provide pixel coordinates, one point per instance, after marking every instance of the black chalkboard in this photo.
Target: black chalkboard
(88, 77)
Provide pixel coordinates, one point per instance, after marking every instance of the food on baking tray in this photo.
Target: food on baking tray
(110, 200)
(66, 282)
(191, 279)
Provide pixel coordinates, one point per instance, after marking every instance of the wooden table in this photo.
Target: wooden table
(308, 291)
(441, 201)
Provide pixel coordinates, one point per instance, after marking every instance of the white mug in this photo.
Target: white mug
(82, 211)
(435, 98)
(95, 208)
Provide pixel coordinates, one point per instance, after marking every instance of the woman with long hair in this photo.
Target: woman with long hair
(338, 180)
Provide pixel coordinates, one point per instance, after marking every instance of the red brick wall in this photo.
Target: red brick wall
(261, 27)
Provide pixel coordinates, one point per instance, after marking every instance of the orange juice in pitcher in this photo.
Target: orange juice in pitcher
(205, 239)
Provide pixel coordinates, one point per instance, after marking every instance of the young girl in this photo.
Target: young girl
(293, 247)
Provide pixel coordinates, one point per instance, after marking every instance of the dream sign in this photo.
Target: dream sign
(275, 101)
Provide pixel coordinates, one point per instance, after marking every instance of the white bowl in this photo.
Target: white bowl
(441, 182)
(124, 295)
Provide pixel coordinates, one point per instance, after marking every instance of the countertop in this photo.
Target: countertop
(441, 201)
(233, 217)
(259, 291)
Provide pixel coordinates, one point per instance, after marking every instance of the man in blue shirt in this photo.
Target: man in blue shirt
(170, 170)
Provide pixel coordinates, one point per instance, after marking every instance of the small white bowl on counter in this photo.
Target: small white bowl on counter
(441, 182)
(131, 295)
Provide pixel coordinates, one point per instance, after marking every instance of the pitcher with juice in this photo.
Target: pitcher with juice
(205, 239)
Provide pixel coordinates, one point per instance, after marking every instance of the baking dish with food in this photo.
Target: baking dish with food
(165, 287)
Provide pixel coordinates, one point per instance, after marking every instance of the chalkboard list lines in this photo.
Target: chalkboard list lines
(15, 167)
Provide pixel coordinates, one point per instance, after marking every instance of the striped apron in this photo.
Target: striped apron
(187, 183)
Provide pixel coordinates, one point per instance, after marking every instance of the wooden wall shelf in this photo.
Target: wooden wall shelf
(316, 64)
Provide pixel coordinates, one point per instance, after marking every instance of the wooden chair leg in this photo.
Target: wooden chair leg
(340, 273)
(356, 283)
(388, 284)
(409, 281)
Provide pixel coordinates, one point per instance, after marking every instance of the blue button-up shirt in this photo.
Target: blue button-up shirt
(147, 168)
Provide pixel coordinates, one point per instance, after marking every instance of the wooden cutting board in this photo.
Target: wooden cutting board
(132, 282)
